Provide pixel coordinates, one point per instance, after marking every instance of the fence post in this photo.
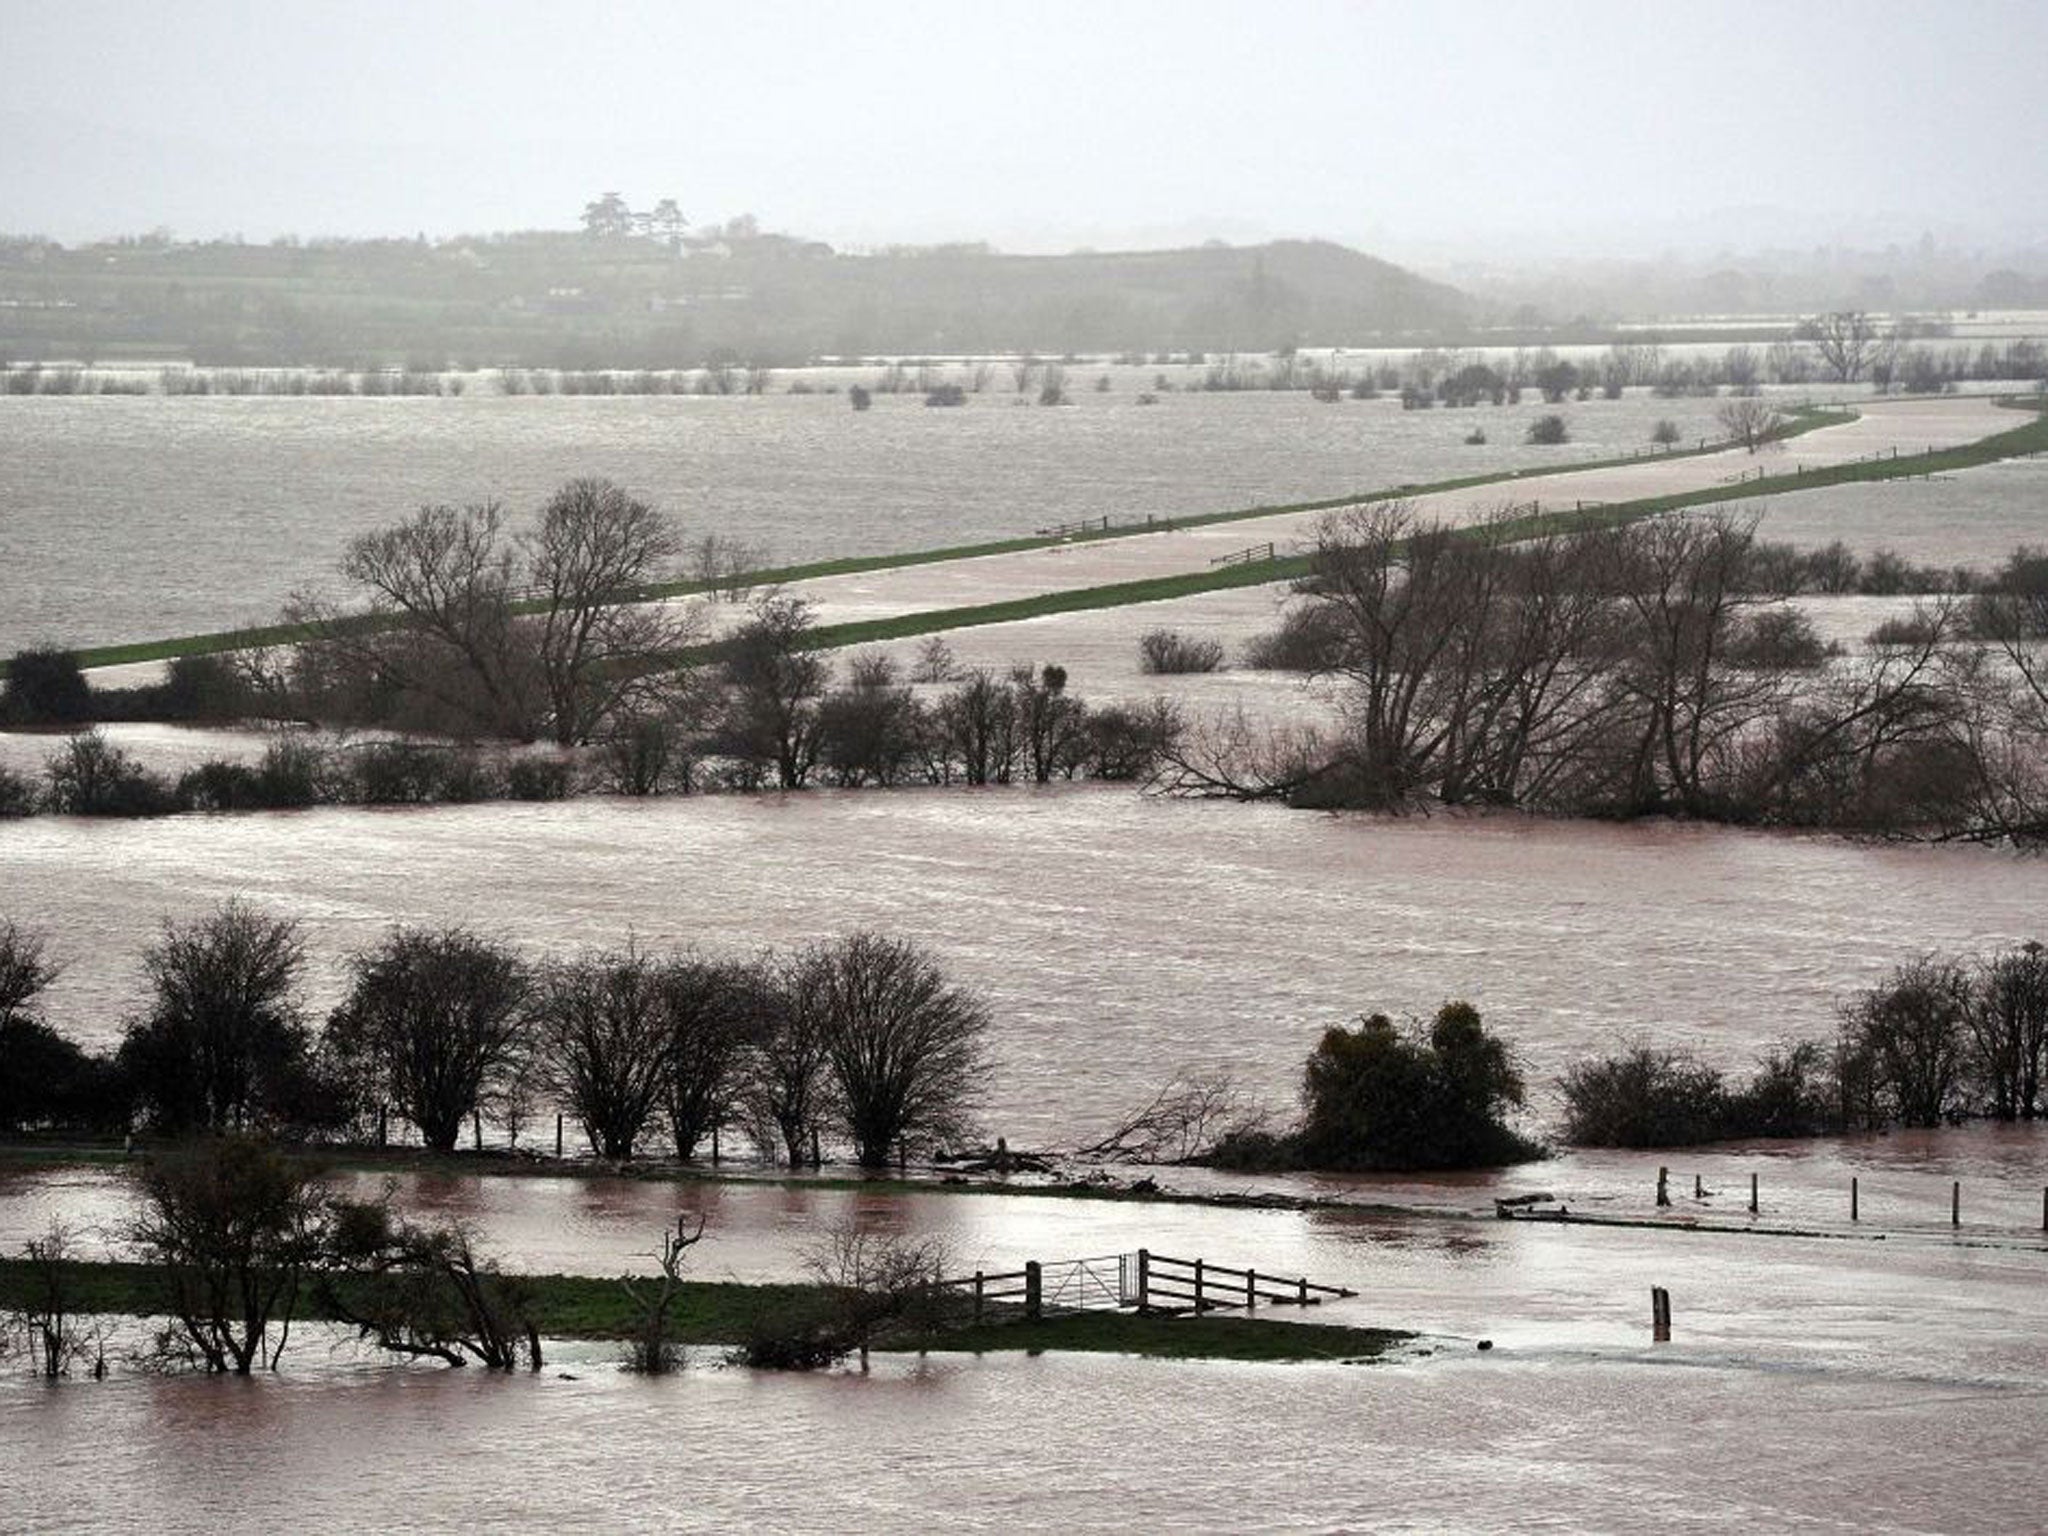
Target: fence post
(1304, 1290)
(1144, 1279)
(714, 1146)
(1663, 1192)
(1251, 1291)
(1955, 1203)
(383, 1136)
(1752, 1194)
(558, 1134)
(1034, 1295)
(1699, 1190)
(977, 1295)
(476, 1128)
(1852, 1199)
(1198, 1287)
(1660, 1314)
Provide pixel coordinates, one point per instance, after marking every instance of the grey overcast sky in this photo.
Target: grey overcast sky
(1404, 127)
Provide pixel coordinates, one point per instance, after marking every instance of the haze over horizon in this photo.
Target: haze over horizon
(1417, 133)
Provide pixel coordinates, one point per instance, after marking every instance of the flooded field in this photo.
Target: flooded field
(1118, 937)
(1832, 1382)
(225, 505)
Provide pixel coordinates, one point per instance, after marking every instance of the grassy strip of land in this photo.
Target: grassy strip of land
(2015, 443)
(723, 1312)
(259, 636)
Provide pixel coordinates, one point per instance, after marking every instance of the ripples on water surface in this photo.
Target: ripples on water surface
(1118, 937)
(128, 518)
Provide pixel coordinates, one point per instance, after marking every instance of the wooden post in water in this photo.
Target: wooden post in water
(1699, 1190)
(1198, 1287)
(1752, 1194)
(1144, 1279)
(1663, 1191)
(1955, 1203)
(714, 1146)
(383, 1128)
(1304, 1291)
(1852, 1198)
(1034, 1292)
(558, 1134)
(1251, 1290)
(816, 1160)
(476, 1128)
(1660, 1314)
(977, 1295)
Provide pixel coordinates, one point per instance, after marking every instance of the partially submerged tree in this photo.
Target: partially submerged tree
(605, 1043)
(235, 1227)
(434, 1020)
(652, 1349)
(426, 1292)
(45, 1317)
(906, 1047)
(223, 1045)
(1748, 420)
(1381, 1097)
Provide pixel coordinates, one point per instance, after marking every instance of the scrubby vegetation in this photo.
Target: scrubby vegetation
(1382, 1096)
(1938, 1040)
(1653, 668)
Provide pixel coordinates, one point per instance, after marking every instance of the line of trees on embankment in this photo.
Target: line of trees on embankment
(1658, 668)
(858, 1043)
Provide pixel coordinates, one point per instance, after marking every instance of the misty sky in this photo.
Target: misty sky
(1409, 128)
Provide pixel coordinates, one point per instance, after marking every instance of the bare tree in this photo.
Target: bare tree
(434, 1019)
(600, 637)
(1843, 337)
(605, 1042)
(1179, 1123)
(726, 567)
(426, 1292)
(449, 576)
(235, 1227)
(224, 1041)
(1911, 1034)
(716, 1014)
(773, 683)
(45, 1314)
(2009, 1030)
(905, 1046)
(786, 1089)
(652, 1349)
(1748, 420)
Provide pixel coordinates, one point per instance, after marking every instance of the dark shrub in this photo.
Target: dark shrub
(1310, 639)
(1643, 1098)
(46, 687)
(1163, 651)
(1548, 430)
(537, 778)
(91, 776)
(17, 794)
(1380, 1097)
(1779, 640)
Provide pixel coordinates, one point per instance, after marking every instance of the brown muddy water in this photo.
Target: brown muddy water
(1888, 1380)
(1892, 1376)
(1118, 937)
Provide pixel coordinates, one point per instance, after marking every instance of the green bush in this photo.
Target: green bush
(1379, 1096)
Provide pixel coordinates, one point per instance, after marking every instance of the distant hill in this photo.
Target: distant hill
(574, 300)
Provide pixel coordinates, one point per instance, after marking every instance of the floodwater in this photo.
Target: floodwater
(1118, 937)
(133, 517)
(1889, 1379)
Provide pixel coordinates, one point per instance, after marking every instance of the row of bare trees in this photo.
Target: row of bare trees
(860, 1040)
(1653, 668)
